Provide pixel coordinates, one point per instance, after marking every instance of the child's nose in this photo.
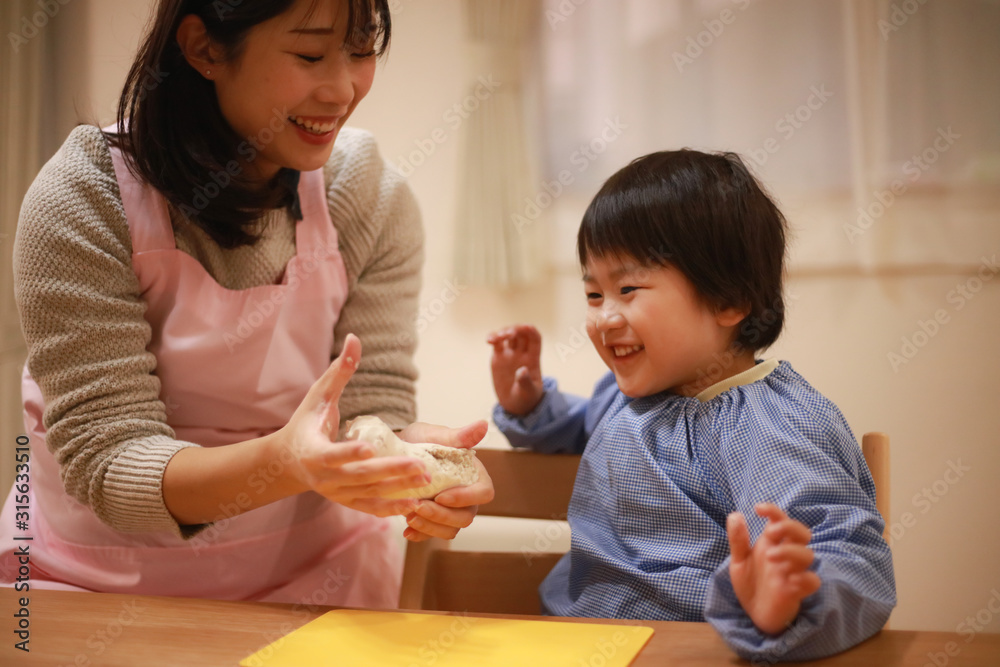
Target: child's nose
(608, 319)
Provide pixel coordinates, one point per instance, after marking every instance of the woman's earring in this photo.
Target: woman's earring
(208, 72)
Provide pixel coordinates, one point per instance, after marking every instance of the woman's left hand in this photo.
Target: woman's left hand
(455, 508)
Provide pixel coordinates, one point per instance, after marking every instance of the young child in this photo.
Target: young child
(713, 486)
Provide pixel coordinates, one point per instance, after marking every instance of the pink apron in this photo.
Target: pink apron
(233, 365)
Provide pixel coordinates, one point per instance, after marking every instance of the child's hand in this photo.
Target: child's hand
(455, 508)
(517, 370)
(772, 578)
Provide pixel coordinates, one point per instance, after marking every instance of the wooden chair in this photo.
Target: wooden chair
(875, 448)
(532, 486)
(527, 486)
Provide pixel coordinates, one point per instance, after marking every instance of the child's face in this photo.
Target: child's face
(652, 329)
(283, 74)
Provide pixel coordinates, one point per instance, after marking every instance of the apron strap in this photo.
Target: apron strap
(148, 233)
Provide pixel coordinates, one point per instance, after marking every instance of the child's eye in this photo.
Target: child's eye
(593, 295)
(309, 59)
(362, 56)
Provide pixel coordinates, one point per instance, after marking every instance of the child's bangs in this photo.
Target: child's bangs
(623, 224)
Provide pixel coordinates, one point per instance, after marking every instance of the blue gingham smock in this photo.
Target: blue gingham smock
(660, 474)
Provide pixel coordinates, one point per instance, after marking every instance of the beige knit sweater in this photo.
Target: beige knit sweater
(82, 316)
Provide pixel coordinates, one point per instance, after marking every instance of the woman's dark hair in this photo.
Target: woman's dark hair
(173, 133)
(706, 215)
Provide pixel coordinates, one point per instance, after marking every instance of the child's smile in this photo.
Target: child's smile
(653, 330)
(622, 351)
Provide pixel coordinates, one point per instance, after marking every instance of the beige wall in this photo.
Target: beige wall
(942, 407)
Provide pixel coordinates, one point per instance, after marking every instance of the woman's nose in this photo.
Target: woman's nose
(337, 86)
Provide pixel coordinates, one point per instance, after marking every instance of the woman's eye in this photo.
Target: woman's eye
(309, 59)
(627, 289)
(593, 295)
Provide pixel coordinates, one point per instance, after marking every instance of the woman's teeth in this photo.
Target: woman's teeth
(622, 351)
(311, 127)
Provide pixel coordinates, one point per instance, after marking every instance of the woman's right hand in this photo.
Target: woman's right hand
(344, 472)
(517, 369)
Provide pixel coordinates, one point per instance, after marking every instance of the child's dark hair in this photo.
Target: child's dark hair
(173, 132)
(706, 215)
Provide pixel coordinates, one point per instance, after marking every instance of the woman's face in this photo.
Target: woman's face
(293, 86)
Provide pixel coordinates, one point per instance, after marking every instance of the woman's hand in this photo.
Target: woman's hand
(455, 508)
(345, 472)
(516, 366)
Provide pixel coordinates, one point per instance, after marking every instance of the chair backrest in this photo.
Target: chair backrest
(532, 486)
(875, 448)
(527, 486)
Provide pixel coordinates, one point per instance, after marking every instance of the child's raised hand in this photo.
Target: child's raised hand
(517, 370)
(772, 578)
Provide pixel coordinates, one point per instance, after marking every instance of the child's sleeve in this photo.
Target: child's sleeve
(823, 486)
(559, 424)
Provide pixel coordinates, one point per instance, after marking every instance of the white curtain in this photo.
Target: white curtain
(24, 27)
(496, 239)
(876, 123)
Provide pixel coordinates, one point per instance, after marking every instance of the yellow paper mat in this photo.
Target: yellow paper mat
(375, 638)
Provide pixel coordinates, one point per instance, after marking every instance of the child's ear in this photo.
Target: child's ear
(730, 317)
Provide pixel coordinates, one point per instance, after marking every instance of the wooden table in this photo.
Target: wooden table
(101, 629)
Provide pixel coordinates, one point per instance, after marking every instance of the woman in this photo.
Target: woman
(184, 279)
